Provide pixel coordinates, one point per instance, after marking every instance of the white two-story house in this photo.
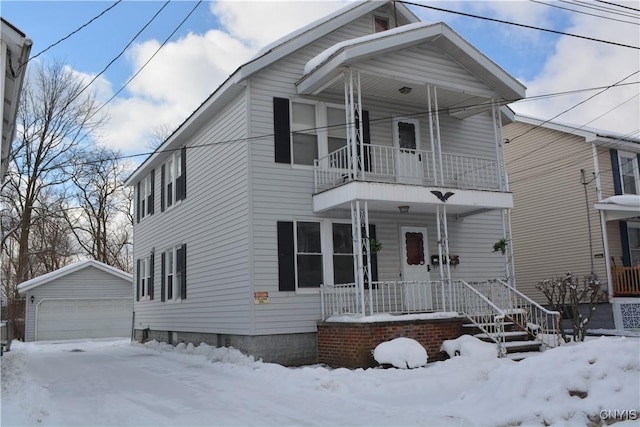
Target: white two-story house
(365, 130)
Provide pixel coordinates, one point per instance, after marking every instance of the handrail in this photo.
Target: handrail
(541, 323)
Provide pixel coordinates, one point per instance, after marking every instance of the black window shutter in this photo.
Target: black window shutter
(366, 139)
(138, 280)
(138, 203)
(183, 158)
(183, 271)
(286, 258)
(615, 169)
(626, 250)
(162, 189)
(151, 274)
(150, 201)
(281, 130)
(162, 274)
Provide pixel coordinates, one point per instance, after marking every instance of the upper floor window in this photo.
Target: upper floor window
(633, 230)
(304, 137)
(145, 196)
(380, 24)
(173, 177)
(629, 172)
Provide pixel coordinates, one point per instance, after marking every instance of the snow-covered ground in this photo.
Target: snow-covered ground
(118, 383)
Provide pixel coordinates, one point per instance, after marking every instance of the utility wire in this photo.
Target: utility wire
(501, 21)
(584, 13)
(73, 32)
(618, 5)
(150, 58)
(591, 5)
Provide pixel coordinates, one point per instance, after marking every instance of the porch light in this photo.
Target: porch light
(32, 299)
(404, 90)
(403, 209)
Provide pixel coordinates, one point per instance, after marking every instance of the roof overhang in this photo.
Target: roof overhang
(71, 268)
(16, 48)
(618, 208)
(331, 63)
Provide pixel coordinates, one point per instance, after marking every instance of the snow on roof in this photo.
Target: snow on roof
(40, 280)
(327, 53)
(632, 200)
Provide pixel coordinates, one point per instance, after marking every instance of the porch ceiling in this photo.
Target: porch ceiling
(387, 197)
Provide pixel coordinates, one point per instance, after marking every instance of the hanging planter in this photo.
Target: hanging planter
(500, 246)
(375, 246)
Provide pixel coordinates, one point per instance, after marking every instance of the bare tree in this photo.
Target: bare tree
(100, 204)
(56, 114)
(159, 134)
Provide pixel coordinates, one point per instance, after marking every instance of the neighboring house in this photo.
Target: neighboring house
(366, 126)
(87, 299)
(14, 53)
(566, 220)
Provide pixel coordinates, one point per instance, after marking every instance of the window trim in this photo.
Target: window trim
(176, 166)
(635, 169)
(171, 252)
(144, 278)
(635, 225)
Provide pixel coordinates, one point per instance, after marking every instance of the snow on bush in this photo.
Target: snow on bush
(466, 345)
(402, 353)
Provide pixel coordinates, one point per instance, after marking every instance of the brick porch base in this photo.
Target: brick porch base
(350, 345)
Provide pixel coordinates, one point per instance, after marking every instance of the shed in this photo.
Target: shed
(88, 299)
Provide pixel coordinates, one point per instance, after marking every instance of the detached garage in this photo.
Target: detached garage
(87, 299)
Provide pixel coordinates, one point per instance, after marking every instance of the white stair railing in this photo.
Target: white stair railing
(541, 323)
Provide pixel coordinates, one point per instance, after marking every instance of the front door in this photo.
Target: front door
(415, 269)
(409, 165)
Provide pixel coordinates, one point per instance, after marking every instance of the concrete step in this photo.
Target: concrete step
(508, 336)
(522, 355)
(522, 346)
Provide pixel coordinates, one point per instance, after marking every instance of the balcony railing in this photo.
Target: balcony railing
(626, 281)
(389, 164)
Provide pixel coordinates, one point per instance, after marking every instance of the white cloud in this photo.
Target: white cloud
(579, 64)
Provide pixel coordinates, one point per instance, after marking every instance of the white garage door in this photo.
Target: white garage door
(58, 319)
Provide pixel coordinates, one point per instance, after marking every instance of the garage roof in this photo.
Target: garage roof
(71, 268)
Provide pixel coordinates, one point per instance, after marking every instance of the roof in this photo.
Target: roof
(72, 268)
(609, 139)
(267, 56)
(328, 64)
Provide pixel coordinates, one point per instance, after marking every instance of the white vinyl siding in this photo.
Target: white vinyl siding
(281, 192)
(213, 222)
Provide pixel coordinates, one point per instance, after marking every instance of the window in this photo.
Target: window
(144, 270)
(174, 278)
(629, 172)
(145, 196)
(309, 255)
(337, 130)
(342, 254)
(633, 230)
(304, 138)
(173, 179)
(380, 24)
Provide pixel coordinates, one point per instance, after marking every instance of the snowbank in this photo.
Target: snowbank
(466, 345)
(402, 353)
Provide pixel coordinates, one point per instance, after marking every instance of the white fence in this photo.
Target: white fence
(389, 164)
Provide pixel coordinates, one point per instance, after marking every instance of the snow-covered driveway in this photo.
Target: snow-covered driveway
(91, 383)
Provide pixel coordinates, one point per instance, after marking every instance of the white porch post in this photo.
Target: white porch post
(603, 224)
(438, 175)
(503, 177)
(362, 270)
(353, 114)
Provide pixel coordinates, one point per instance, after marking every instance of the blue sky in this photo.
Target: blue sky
(220, 36)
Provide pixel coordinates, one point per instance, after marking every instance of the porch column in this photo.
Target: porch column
(353, 109)
(607, 256)
(361, 258)
(503, 183)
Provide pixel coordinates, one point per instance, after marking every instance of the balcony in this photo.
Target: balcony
(626, 281)
(402, 166)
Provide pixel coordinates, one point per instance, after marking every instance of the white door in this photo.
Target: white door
(409, 158)
(62, 319)
(415, 269)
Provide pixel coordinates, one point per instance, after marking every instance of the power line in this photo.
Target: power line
(501, 21)
(74, 31)
(605, 9)
(584, 13)
(618, 5)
